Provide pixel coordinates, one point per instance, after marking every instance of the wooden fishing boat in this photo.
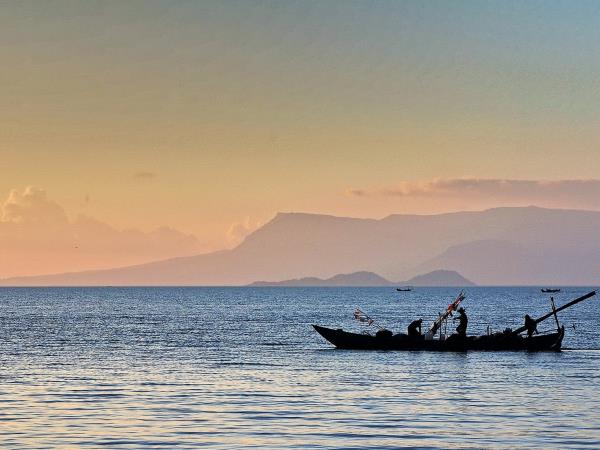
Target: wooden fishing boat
(549, 290)
(406, 289)
(497, 341)
(509, 340)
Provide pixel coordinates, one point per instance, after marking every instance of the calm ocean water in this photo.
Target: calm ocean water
(242, 367)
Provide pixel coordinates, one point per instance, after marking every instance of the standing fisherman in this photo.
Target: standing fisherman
(530, 325)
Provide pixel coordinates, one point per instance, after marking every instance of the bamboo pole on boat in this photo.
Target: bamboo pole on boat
(565, 306)
(554, 312)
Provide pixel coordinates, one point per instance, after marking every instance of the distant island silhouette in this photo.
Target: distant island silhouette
(368, 279)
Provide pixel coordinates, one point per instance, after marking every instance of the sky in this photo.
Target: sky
(141, 130)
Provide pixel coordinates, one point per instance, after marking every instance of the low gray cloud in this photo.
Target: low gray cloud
(575, 193)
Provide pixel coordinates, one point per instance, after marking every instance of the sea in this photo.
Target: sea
(242, 367)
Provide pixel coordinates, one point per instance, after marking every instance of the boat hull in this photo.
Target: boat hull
(495, 342)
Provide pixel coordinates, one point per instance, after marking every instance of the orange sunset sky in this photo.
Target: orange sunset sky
(140, 130)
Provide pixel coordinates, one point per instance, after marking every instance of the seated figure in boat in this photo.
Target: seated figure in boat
(414, 329)
(530, 325)
(461, 329)
(382, 333)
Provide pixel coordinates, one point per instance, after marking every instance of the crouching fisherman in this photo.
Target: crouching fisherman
(382, 333)
(414, 329)
(461, 329)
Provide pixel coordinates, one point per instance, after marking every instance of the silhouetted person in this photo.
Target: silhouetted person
(383, 334)
(461, 329)
(435, 327)
(530, 325)
(414, 329)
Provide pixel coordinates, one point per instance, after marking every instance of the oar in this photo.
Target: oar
(565, 306)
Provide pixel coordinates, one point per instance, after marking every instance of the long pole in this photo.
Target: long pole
(565, 306)
(554, 312)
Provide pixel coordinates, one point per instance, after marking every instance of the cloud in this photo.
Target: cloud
(497, 191)
(37, 236)
(31, 206)
(145, 176)
(239, 230)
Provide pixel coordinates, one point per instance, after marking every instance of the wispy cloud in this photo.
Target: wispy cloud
(145, 176)
(495, 191)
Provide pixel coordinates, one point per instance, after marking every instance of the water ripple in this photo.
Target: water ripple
(241, 367)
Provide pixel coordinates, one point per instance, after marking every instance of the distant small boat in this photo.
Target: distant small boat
(406, 289)
(550, 291)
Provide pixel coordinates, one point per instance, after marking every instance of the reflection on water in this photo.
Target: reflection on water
(241, 366)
